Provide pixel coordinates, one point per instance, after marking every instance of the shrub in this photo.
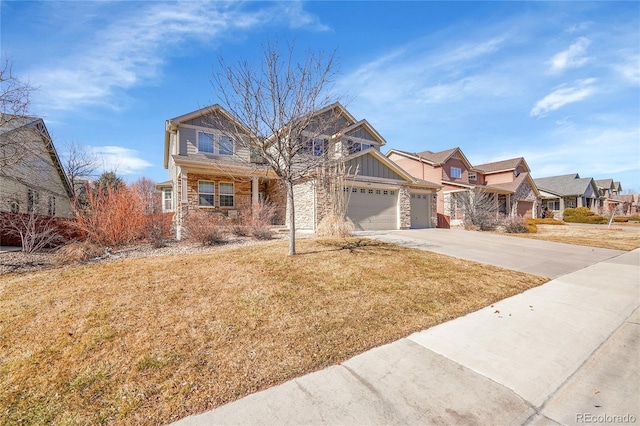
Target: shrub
(78, 252)
(621, 219)
(157, 228)
(35, 232)
(255, 221)
(206, 228)
(111, 217)
(545, 221)
(515, 225)
(582, 215)
(634, 218)
(548, 214)
(334, 226)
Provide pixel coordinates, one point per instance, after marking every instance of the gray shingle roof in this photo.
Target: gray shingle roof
(11, 122)
(565, 185)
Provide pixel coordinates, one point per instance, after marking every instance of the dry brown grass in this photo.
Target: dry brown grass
(618, 237)
(149, 341)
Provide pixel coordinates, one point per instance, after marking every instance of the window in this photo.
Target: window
(371, 191)
(473, 176)
(168, 199)
(15, 207)
(456, 173)
(226, 194)
(571, 203)
(317, 147)
(354, 147)
(553, 205)
(52, 206)
(206, 193)
(33, 198)
(378, 192)
(225, 146)
(205, 142)
(385, 192)
(363, 191)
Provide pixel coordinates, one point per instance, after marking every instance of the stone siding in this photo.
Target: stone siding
(304, 199)
(404, 200)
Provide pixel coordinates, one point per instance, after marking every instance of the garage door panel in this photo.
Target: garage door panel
(421, 211)
(373, 209)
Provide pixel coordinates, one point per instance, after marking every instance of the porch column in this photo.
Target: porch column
(561, 204)
(580, 201)
(254, 191)
(507, 207)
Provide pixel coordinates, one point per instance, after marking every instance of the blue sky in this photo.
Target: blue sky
(555, 82)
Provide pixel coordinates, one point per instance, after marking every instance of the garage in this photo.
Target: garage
(373, 209)
(525, 209)
(421, 211)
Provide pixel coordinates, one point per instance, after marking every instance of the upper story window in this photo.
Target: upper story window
(316, 146)
(473, 176)
(354, 147)
(215, 144)
(456, 173)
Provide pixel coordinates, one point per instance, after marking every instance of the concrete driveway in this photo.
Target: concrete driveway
(544, 258)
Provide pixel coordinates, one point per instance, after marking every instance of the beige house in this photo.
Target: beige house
(32, 179)
(207, 170)
(509, 181)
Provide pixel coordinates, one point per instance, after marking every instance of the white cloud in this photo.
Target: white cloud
(123, 161)
(630, 70)
(573, 57)
(563, 96)
(132, 50)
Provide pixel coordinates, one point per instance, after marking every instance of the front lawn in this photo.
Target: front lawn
(618, 237)
(152, 340)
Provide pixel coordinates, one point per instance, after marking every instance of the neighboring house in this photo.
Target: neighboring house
(207, 171)
(607, 190)
(514, 176)
(568, 191)
(617, 188)
(509, 181)
(34, 182)
(626, 204)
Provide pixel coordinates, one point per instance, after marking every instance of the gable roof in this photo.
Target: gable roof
(12, 123)
(565, 185)
(171, 125)
(393, 166)
(515, 184)
(434, 158)
(502, 166)
(367, 127)
(605, 183)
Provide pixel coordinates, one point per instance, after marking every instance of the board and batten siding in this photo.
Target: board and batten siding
(188, 142)
(368, 165)
(363, 134)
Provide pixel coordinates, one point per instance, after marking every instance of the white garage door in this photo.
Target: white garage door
(373, 209)
(421, 211)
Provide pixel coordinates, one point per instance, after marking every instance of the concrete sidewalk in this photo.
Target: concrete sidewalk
(562, 353)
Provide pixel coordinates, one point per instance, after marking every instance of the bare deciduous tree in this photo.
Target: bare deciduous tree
(279, 103)
(14, 104)
(79, 164)
(34, 230)
(479, 208)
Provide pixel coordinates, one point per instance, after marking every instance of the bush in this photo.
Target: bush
(515, 225)
(545, 221)
(206, 228)
(582, 215)
(111, 217)
(621, 219)
(78, 252)
(334, 226)
(35, 232)
(255, 221)
(634, 218)
(157, 228)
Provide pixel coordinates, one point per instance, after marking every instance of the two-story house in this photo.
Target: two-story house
(32, 179)
(509, 181)
(208, 170)
(521, 196)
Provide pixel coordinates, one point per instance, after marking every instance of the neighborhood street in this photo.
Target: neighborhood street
(562, 353)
